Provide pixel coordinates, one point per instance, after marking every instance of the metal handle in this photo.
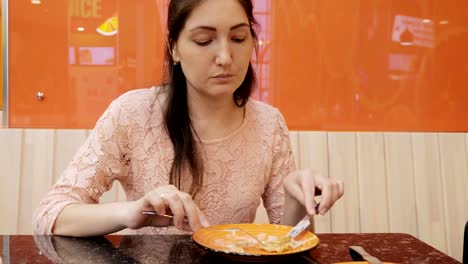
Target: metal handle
(40, 96)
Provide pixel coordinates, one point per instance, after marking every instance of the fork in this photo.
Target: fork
(165, 215)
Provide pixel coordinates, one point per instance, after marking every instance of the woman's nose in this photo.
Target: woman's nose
(224, 54)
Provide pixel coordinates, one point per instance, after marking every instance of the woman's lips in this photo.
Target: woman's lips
(223, 77)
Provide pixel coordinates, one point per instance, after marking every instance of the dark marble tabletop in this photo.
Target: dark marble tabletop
(389, 247)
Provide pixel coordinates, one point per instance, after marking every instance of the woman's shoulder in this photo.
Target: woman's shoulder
(263, 111)
(266, 119)
(142, 98)
(140, 107)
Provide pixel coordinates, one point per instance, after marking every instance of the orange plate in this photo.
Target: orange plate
(218, 240)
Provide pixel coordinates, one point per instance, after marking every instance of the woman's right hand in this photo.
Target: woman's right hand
(163, 199)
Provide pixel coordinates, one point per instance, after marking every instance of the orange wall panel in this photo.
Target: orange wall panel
(61, 49)
(371, 65)
(341, 65)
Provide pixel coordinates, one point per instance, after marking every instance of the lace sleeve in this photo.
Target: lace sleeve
(100, 160)
(283, 165)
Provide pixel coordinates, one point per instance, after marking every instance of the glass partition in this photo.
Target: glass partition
(342, 65)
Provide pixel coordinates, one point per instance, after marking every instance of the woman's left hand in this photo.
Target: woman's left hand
(304, 185)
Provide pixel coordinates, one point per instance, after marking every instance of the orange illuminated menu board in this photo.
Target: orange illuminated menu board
(342, 65)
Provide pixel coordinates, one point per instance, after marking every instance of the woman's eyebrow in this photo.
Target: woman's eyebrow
(214, 29)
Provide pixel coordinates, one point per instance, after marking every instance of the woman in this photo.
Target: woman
(197, 147)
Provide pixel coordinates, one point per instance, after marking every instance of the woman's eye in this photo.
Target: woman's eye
(238, 40)
(202, 42)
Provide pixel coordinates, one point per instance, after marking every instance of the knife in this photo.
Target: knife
(302, 225)
(358, 254)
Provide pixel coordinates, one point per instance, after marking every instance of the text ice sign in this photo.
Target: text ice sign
(421, 30)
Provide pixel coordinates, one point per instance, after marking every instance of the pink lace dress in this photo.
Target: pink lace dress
(130, 145)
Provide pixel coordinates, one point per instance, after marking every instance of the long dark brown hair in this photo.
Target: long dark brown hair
(176, 116)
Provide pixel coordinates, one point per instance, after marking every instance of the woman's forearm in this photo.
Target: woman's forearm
(81, 220)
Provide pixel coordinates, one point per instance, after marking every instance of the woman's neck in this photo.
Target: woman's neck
(214, 118)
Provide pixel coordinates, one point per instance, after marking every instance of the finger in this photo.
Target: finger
(308, 187)
(336, 192)
(177, 208)
(171, 188)
(151, 202)
(328, 194)
(203, 219)
(191, 211)
(186, 227)
(294, 190)
(156, 202)
(340, 189)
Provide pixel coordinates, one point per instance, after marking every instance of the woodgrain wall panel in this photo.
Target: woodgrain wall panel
(261, 216)
(372, 182)
(400, 183)
(380, 170)
(343, 165)
(37, 173)
(121, 196)
(10, 175)
(294, 137)
(430, 198)
(466, 149)
(313, 149)
(112, 195)
(454, 185)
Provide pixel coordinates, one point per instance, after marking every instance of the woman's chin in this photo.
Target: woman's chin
(221, 91)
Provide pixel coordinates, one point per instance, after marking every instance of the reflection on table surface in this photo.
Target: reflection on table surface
(388, 247)
(134, 249)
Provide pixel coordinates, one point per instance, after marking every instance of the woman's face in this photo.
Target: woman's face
(214, 48)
